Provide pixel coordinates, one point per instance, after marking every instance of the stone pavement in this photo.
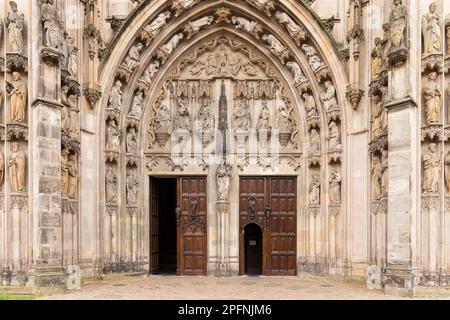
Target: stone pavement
(240, 288)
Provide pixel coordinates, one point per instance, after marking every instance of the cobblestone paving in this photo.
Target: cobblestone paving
(240, 288)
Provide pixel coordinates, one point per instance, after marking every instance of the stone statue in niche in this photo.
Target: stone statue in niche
(251, 27)
(72, 186)
(242, 117)
(111, 181)
(163, 119)
(334, 136)
(313, 58)
(113, 136)
(115, 97)
(53, 24)
(314, 189)
(296, 71)
(276, 47)
(335, 187)
(74, 120)
(223, 177)
(150, 72)
(132, 59)
(205, 116)
(15, 23)
(138, 105)
(64, 171)
(431, 170)
(71, 57)
(431, 30)
(432, 95)
(448, 34)
(180, 5)
(2, 168)
(194, 26)
(314, 141)
(379, 116)
(384, 172)
(264, 119)
(310, 106)
(132, 188)
(377, 178)
(173, 43)
(329, 97)
(17, 90)
(377, 58)
(293, 28)
(182, 119)
(16, 164)
(447, 171)
(397, 25)
(132, 146)
(156, 26)
(285, 124)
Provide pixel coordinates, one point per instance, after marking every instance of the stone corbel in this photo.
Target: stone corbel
(430, 202)
(66, 80)
(15, 62)
(223, 15)
(323, 74)
(51, 56)
(123, 73)
(334, 209)
(334, 115)
(112, 209)
(132, 211)
(398, 56)
(314, 210)
(433, 132)
(354, 95)
(92, 92)
(112, 114)
(16, 131)
(433, 62)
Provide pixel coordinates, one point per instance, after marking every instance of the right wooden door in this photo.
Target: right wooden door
(271, 204)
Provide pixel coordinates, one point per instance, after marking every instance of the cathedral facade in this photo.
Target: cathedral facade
(220, 137)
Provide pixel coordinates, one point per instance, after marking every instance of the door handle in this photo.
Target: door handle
(268, 212)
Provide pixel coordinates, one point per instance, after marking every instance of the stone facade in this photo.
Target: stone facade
(350, 97)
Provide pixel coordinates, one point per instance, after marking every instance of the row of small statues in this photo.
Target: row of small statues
(111, 186)
(334, 181)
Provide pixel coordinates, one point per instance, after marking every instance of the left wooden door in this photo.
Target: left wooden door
(154, 225)
(192, 226)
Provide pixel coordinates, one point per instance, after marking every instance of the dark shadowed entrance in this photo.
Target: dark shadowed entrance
(253, 249)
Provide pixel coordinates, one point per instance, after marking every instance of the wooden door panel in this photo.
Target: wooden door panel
(192, 236)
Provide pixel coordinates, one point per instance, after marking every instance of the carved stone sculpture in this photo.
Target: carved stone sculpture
(335, 187)
(329, 97)
(398, 22)
(138, 105)
(111, 181)
(377, 58)
(72, 185)
(15, 23)
(153, 29)
(17, 165)
(74, 119)
(313, 59)
(242, 117)
(181, 5)
(2, 168)
(113, 136)
(132, 59)
(310, 105)
(431, 170)
(432, 95)
(166, 50)
(314, 190)
(150, 72)
(132, 185)
(314, 141)
(115, 97)
(182, 119)
(334, 137)
(64, 171)
(162, 125)
(132, 145)
(377, 178)
(17, 91)
(194, 26)
(263, 128)
(431, 30)
(385, 171)
(264, 5)
(251, 27)
(53, 24)
(379, 116)
(297, 32)
(447, 171)
(276, 47)
(285, 125)
(223, 177)
(296, 71)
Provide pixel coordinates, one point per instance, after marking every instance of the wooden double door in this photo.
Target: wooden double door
(187, 204)
(268, 205)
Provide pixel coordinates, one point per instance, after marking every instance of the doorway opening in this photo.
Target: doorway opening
(253, 249)
(164, 226)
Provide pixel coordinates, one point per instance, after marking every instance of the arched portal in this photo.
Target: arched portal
(219, 89)
(253, 236)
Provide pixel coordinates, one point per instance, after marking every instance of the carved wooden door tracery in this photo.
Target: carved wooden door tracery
(270, 203)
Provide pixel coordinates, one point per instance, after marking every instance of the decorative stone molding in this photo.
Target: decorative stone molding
(16, 131)
(71, 143)
(431, 202)
(314, 210)
(433, 132)
(51, 56)
(112, 114)
(112, 156)
(132, 211)
(335, 157)
(175, 163)
(112, 209)
(314, 160)
(334, 209)
(354, 95)
(16, 62)
(270, 163)
(433, 62)
(132, 159)
(2, 64)
(334, 115)
(313, 122)
(379, 144)
(19, 201)
(378, 206)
